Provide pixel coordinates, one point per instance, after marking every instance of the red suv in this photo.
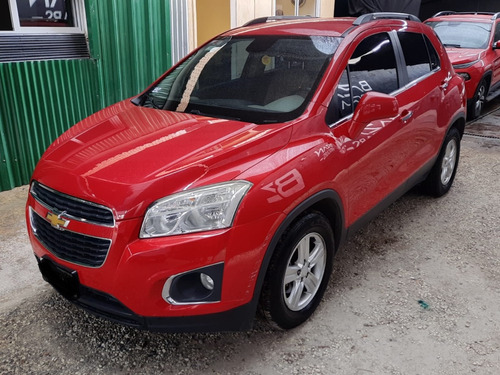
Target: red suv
(231, 182)
(472, 41)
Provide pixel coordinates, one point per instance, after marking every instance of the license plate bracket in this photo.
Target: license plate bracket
(63, 279)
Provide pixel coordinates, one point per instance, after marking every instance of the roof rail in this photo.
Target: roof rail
(259, 20)
(451, 12)
(444, 13)
(369, 17)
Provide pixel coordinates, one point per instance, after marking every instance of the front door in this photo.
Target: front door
(374, 154)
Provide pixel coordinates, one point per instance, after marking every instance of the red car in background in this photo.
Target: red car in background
(231, 181)
(472, 41)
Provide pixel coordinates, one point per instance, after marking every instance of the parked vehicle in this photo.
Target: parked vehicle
(231, 182)
(472, 41)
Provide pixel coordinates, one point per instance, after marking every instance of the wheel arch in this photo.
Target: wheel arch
(459, 123)
(327, 202)
(487, 76)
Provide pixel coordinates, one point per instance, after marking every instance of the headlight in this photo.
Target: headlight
(206, 208)
(466, 65)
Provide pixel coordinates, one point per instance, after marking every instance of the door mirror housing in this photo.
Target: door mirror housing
(372, 106)
(496, 45)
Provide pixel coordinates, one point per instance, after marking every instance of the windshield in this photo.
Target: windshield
(260, 79)
(462, 34)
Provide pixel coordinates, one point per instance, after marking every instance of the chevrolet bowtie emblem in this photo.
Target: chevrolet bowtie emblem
(56, 220)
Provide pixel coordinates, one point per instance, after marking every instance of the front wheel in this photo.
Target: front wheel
(299, 272)
(476, 106)
(443, 172)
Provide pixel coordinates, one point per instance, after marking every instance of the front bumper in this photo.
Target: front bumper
(106, 306)
(129, 286)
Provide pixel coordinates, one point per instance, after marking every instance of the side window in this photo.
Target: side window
(497, 32)
(341, 105)
(415, 54)
(433, 55)
(372, 67)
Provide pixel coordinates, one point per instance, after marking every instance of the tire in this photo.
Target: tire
(298, 272)
(476, 106)
(441, 177)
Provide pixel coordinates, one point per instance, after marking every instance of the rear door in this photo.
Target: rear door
(421, 101)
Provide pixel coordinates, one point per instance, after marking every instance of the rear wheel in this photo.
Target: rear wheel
(299, 272)
(476, 106)
(443, 173)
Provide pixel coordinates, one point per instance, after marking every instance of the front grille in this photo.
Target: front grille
(70, 246)
(72, 207)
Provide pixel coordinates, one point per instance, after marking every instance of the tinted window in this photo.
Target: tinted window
(415, 53)
(5, 21)
(341, 103)
(373, 67)
(497, 32)
(433, 55)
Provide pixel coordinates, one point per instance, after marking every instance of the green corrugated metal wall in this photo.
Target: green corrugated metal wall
(130, 47)
(40, 100)
(131, 41)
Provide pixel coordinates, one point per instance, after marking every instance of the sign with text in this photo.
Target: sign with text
(52, 13)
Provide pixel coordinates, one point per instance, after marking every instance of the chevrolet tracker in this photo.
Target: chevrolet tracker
(229, 184)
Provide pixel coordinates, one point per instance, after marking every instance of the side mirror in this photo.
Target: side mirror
(372, 106)
(496, 45)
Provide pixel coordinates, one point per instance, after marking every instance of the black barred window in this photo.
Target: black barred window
(42, 30)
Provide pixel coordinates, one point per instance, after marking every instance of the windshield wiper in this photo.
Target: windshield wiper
(200, 113)
(197, 112)
(452, 45)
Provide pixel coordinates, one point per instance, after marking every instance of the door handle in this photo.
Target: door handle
(406, 115)
(445, 83)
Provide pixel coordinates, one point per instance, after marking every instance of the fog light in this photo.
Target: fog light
(200, 285)
(207, 281)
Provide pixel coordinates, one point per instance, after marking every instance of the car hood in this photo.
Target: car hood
(125, 156)
(463, 55)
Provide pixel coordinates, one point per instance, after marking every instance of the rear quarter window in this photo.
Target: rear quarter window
(420, 56)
